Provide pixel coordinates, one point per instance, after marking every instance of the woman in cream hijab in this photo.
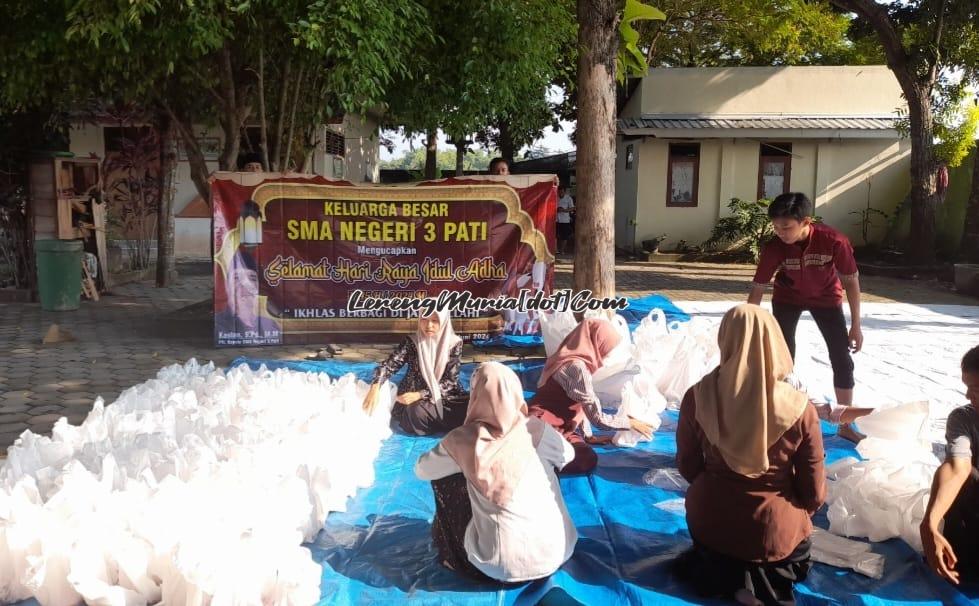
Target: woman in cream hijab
(430, 397)
(751, 447)
(499, 510)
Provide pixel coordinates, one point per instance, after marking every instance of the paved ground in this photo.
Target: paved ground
(126, 337)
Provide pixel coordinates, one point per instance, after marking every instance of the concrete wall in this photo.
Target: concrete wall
(838, 175)
(817, 91)
(851, 174)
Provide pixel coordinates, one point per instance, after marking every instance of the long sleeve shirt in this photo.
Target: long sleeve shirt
(406, 353)
(759, 519)
(576, 382)
(533, 535)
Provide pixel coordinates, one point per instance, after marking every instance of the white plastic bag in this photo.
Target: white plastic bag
(196, 487)
(884, 496)
(555, 326)
(642, 401)
(654, 345)
(902, 422)
(619, 359)
(844, 553)
(610, 389)
(665, 478)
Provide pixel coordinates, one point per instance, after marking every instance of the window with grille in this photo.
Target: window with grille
(333, 143)
(683, 175)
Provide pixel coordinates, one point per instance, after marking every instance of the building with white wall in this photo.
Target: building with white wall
(691, 139)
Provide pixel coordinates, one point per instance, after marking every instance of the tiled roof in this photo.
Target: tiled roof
(761, 122)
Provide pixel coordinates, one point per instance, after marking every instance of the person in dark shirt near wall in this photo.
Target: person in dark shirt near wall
(813, 264)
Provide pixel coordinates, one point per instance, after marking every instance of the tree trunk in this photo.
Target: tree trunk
(598, 39)
(165, 263)
(230, 117)
(280, 117)
(506, 143)
(292, 119)
(969, 250)
(199, 172)
(431, 154)
(263, 143)
(460, 158)
(924, 186)
(917, 85)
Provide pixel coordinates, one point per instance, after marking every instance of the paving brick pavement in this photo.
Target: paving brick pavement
(127, 336)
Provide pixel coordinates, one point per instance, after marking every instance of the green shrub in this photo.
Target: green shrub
(747, 228)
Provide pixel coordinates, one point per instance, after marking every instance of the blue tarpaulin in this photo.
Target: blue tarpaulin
(380, 551)
(638, 309)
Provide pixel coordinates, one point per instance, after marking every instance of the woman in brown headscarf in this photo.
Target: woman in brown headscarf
(565, 399)
(751, 447)
(499, 512)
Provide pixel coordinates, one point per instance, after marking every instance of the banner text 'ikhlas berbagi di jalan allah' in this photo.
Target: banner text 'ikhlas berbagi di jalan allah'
(290, 250)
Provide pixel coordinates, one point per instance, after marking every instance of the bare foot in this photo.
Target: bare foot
(847, 432)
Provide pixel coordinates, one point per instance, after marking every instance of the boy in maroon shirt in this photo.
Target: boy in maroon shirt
(812, 265)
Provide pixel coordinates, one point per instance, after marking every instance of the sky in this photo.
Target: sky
(556, 142)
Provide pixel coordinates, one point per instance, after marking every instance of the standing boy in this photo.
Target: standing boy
(813, 264)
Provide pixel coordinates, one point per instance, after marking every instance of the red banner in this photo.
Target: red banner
(289, 251)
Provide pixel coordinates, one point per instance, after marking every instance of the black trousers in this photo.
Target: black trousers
(962, 530)
(422, 417)
(832, 324)
(713, 574)
(453, 512)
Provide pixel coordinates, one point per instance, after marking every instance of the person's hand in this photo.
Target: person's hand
(939, 553)
(598, 440)
(855, 338)
(370, 400)
(643, 428)
(823, 410)
(409, 398)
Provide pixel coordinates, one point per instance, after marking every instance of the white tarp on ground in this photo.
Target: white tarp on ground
(910, 352)
(909, 369)
(196, 487)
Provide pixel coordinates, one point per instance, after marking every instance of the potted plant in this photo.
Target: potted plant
(652, 245)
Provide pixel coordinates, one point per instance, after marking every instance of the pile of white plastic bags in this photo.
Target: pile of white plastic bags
(884, 496)
(197, 487)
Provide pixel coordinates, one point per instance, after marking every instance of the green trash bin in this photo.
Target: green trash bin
(59, 274)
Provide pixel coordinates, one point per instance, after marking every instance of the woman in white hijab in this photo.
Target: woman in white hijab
(430, 397)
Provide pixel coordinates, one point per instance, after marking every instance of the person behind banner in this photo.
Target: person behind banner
(953, 551)
(565, 211)
(751, 446)
(242, 314)
(430, 397)
(566, 400)
(499, 166)
(813, 264)
(251, 163)
(499, 512)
